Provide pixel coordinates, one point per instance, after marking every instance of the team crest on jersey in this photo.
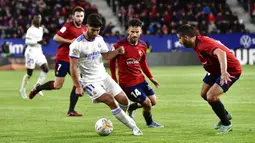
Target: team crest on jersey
(63, 29)
(140, 52)
(75, 52)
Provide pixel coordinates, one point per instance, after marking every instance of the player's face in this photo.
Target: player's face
(37, 20)
(134, 34)
(92, 32)
(185, 41)
(78, 18)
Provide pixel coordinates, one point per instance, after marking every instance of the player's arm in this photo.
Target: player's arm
(112, 64)
(112, 54)
(74, 72)
(147, 72)
(60, 39)
(222, 57)
(106, 53)
(74, 56)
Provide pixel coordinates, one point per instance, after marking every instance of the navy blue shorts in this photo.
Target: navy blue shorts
(62, 68)
(211, 79)
(138, 93)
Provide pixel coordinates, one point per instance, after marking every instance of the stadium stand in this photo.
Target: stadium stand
(16, 16)
(160, 17)
(165, 16)
(249, 6)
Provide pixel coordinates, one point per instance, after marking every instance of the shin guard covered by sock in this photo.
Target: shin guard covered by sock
(123, 118)
(220, 111)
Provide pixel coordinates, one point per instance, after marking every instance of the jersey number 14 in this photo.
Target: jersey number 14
(136, 93)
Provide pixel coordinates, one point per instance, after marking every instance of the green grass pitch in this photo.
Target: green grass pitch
(186, 117)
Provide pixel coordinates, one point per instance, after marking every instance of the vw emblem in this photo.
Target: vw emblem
(245, 41)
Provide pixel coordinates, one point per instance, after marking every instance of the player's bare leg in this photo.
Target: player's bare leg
(42, 76)
(134, 106)
(205, 88)
(59, 82)
(122, 100)
(119, 113)
(153, 99)
(148, 116)
(25, 80)
(213, 99)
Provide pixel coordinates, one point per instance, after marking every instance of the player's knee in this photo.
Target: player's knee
(153, 102)
(211, 97)
(109, 100)
(147, 104)
(122, 99)
(46, 70)
(57, 86)
(29, 72)
(204, 96)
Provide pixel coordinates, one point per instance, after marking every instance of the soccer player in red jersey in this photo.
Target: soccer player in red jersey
(69, 32)
(130, 67)
(223, 70)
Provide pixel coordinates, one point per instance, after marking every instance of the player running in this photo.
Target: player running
(34, 55)
(68, 33)
(131, 78)
(223, 70)
(86, 53)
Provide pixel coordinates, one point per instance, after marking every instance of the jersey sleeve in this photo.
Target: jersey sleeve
(63, 31)
(104, 48)
(75, 50)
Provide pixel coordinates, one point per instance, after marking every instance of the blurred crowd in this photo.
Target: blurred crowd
(162, 17)
(16, 15)
(249, 6)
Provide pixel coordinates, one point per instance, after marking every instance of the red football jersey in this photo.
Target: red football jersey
(205, 47)
(131, 64)
(68, 31)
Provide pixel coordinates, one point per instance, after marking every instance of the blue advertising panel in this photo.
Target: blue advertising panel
(166, 43)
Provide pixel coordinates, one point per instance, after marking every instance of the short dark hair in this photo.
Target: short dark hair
(95, 20)
(135, 23)
(77, 9)
(186, 29)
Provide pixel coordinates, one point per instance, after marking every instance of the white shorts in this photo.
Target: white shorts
(34, 58)
(97, 89)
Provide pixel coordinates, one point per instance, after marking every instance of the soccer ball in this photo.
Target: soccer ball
(104, 127)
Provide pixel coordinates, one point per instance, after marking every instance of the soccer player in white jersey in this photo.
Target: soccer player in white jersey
(34, 55)
(86, 53)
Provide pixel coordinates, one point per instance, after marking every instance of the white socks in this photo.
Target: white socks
(41, 78)
(124, 107)
(24, 81)
(123, 117)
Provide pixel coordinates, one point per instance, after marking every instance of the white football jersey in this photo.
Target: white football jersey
(34, 35)
(90, 66)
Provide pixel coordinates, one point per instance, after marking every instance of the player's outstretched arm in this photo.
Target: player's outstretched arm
(74, 75)
(222, 57)
(147, 72)
(60, 39)
(112, 54)
(30, 41)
